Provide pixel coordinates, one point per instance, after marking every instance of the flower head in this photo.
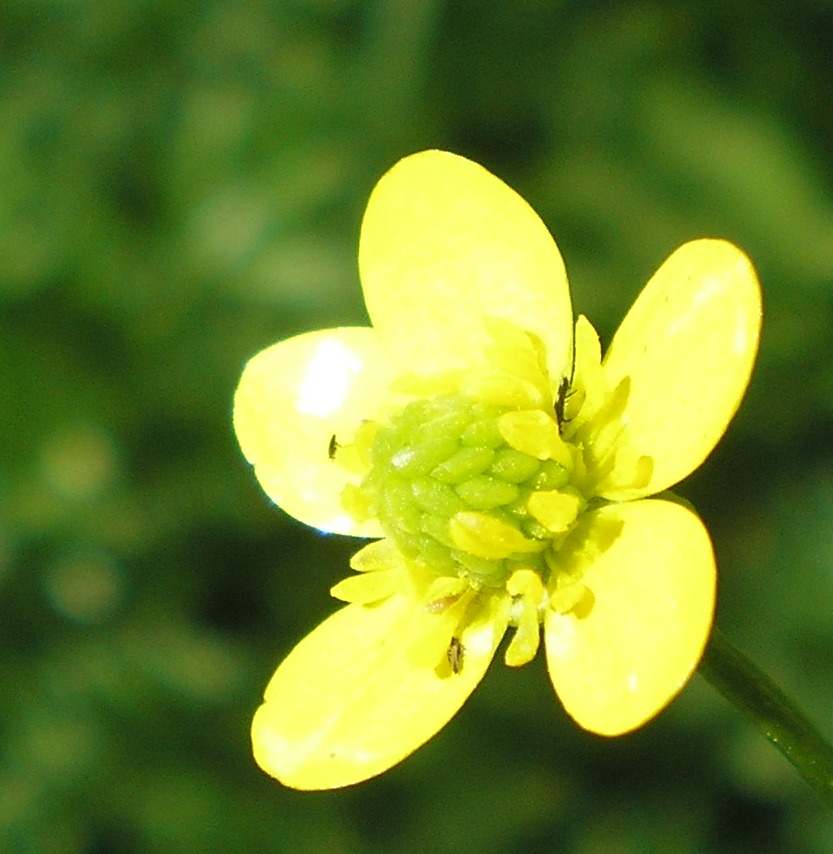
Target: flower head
(503, 469)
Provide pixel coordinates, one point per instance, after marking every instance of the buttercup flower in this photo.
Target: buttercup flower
(504, 472)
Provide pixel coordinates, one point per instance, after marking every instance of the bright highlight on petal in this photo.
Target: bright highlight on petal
(688, 344)
(617, 665)
(293, 398)
(326, 382)
(348, 703)
(444, 243)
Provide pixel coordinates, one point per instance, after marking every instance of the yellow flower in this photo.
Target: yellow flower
(504, 472)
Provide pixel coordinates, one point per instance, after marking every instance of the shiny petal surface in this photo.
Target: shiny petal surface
(292, 399)
(351, 700)
(628, 654)
(688, 344)
(443, 243)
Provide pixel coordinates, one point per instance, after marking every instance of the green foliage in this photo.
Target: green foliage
(181, 185)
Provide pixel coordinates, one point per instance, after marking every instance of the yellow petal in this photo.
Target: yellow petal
(651, 600)
(688, 344)
(292, 399)
(348, 703)
(443, 243)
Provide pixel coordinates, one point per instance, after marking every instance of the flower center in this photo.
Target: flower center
(481, 483)
(472, 489)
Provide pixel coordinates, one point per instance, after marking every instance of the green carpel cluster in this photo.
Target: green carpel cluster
(446, 455)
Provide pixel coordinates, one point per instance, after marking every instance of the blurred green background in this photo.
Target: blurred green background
(181, 184)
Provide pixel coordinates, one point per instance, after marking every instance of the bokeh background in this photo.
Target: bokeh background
(181, 184)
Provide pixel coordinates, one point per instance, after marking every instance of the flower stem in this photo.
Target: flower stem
(747, 687)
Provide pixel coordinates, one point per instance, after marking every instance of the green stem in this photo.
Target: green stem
(746, 686)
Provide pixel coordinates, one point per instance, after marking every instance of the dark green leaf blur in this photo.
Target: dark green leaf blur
(181, 184)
